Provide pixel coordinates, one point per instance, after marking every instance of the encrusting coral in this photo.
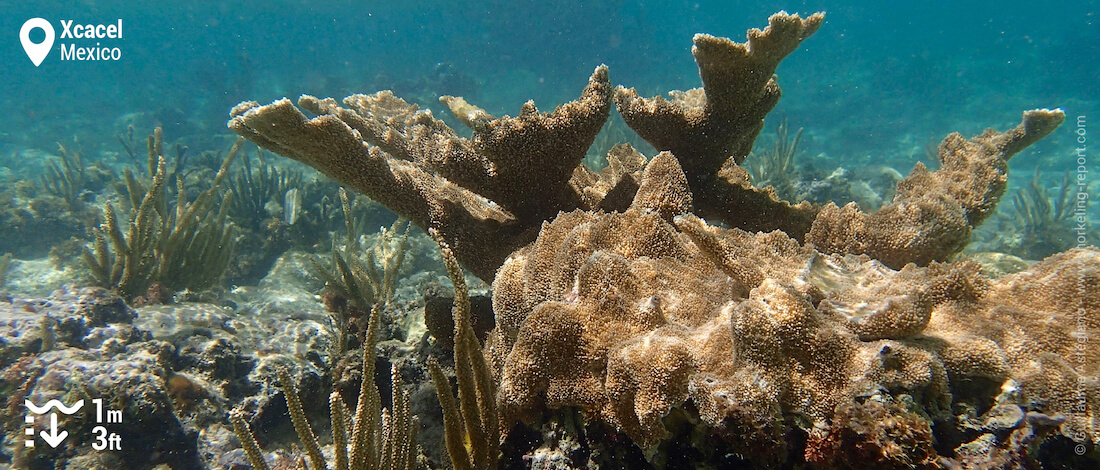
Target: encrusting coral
(627, 316)
(614, 297)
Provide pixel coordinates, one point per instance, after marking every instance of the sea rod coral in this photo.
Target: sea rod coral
(184, 248)
(672, 281)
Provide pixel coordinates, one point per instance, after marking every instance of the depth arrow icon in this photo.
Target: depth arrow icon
(53, 438)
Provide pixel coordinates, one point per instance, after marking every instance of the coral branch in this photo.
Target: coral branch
(486, 195)
(703, 127)
(712, 129)
(933, 213)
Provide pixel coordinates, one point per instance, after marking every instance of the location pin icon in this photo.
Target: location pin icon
(37, 52)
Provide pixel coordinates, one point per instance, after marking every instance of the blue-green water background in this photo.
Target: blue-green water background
(877, 83)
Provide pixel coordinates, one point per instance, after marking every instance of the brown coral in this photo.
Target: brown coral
(629, 314)
(711, 129)
(486, 195)
(933, 213)
(624, 315)
(705, 126)
(1044, 319)
(613, 187)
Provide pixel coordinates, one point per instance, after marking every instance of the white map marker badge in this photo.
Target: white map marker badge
(37, 52)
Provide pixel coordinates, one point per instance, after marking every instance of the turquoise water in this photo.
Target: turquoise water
(872, 74)
(874, 90)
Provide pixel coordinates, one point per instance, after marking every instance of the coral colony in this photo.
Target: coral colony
(663, 312)
(634, 292)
